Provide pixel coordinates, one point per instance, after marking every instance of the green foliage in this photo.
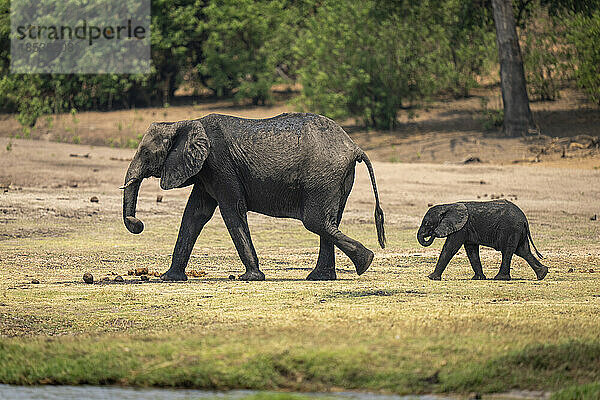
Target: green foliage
(546, 55)
(471, 43)
(361, 59)
(583, 7)
(176, 34)
(237, 51)
(584, 34)
(370, 59)
(9, 145)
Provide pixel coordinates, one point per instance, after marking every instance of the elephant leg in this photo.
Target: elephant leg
(325, 269)
(524, 251)
(237, 225)
(473, 254)
(510, 248)
(198, 211)
(359, 254)
(504, 272)
(449, 250)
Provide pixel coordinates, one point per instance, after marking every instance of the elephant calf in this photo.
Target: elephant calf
(293, 166)
(498, 224)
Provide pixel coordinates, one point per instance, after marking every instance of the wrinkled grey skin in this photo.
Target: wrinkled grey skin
(498, 224)
(294, 165)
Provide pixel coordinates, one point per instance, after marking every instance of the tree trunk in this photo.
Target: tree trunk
(517, 114)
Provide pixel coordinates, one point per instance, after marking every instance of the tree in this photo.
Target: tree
(517, 114)
(238, 53)
(371, 60)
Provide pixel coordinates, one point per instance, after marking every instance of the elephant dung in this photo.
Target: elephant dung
(197, 273)
(94, 199)
(141, 271)
(35, 281)
(88, 278)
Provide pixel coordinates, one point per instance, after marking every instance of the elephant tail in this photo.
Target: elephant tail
(379, 217)
(533, 244)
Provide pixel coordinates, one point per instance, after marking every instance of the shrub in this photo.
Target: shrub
(471, 46)
(546, 55)
(584, 34)
(361, 59)
(237, 52)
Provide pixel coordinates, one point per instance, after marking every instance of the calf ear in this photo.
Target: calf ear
(189, 149)
(453, 218)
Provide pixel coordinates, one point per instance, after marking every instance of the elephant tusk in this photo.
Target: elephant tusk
(127, 184)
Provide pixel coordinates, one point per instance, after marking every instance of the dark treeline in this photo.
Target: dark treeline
(369, 59)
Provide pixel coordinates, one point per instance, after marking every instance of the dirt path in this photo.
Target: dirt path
(56, 179)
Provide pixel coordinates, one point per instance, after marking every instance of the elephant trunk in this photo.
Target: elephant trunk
(421, 238)
(130, 195)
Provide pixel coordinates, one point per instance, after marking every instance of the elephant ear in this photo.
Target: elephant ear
(189, 149)
(453, 218)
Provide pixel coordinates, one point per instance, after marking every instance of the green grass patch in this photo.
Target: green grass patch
(203, 362)
(389, 330)
(536, 367)
(589, 391)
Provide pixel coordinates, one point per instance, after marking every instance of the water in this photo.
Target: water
(10, 392)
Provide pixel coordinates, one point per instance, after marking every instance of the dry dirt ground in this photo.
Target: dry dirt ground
(51, 231)
(391, 317)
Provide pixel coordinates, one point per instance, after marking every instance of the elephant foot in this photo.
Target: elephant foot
(363, 263)
(322, 274)
(477, 277)
(541, 273)
(174, 276)
(502, 277)
(252, 276)
(435, 277)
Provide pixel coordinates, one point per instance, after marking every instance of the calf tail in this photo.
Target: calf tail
(379, 217)
(531, 240)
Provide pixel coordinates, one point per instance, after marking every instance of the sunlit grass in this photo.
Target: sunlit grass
(389, 330)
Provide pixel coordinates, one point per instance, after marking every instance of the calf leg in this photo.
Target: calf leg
(325, 268)
(504, 272)
(507, 253)
(473, 254)
(524, 251)
(450, 248)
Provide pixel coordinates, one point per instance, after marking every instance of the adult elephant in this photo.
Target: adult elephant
(293, 165)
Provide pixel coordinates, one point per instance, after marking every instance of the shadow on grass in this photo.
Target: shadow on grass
(372, 293)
